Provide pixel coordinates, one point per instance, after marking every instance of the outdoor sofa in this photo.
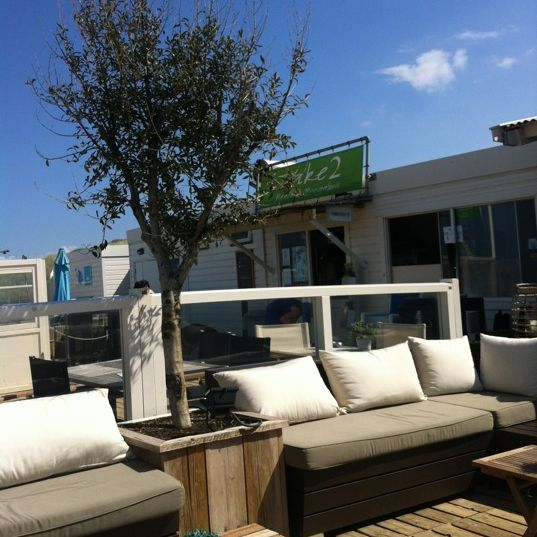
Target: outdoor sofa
(399, 426)
(64, 471)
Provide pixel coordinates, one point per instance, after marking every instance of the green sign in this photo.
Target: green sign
(335, 173)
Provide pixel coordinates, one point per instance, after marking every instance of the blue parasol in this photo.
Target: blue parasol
(62, 289)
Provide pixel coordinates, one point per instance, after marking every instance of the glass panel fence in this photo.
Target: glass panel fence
(378, 321)
(239, 332)
(82, 338)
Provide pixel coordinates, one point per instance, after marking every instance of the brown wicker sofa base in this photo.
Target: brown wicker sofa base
(327, 499)
(455, 430)
(328, 491)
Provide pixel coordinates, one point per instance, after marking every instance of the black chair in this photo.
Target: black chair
(227, 349)
(49, 377)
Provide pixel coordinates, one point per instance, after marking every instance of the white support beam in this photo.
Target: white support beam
(251, 255)
(264, 293)
(143, 359)
(27, 312)
(357, 262)
(322, 314)
(450, 317)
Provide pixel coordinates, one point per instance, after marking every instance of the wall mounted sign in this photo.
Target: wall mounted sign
(339, 214)
(335, 173)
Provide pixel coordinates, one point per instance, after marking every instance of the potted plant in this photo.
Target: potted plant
(349, 276)
(363, 333)
(201, 533)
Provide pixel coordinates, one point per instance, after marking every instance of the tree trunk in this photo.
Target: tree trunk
(173, 359)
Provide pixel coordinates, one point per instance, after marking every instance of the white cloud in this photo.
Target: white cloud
(366, 123)
(460, 58)
(470, 35)
(506, 63)
(432, 70)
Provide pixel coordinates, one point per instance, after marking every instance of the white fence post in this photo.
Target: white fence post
(323, 322)
(143, 359)
(450, 310)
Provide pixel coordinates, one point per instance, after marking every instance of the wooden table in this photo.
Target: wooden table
(109, 374)
(252, 530)
(518, 468)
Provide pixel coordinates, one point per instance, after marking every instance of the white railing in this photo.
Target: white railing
(143, 359)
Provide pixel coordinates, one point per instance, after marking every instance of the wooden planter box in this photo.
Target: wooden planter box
(231, 478)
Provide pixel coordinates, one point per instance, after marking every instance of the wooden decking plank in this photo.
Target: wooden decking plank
(469, 504)
(508, 515)
(376, 531)
(481, 529)
(455, 510)
(418, 521)
(399, 527)
(452, 531)
(439, 516)
(427, 533)
(502, 523)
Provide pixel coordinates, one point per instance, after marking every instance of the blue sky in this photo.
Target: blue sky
(422, 78)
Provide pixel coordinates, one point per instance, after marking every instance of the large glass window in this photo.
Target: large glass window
(497, 247)
(527, 239)
(477, 268)
(245, 271)
(16, 288)
(473, 232)
(414, 240)
(490, 249)
(507, 266)
(294, 259)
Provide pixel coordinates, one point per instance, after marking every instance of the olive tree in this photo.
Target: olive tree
(167, 115)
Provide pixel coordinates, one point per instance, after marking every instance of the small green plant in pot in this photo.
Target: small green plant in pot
(201, 533)
(363, 333)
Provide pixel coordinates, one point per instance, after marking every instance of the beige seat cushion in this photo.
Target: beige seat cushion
(506, 408)
(363, 380)
(372, 433)
(509, 365)
(90, 501)
(57, 435)
(293, 390)
(445, 365)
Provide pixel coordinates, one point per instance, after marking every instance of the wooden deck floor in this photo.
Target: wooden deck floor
(486, 512)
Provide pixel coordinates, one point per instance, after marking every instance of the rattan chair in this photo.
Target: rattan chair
(393, 333)
(287, 340)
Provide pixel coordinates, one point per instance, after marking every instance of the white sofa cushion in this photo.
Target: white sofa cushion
(293, 390)
(55, 435)
(509, 365)
(382, 377)
(445, 365)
